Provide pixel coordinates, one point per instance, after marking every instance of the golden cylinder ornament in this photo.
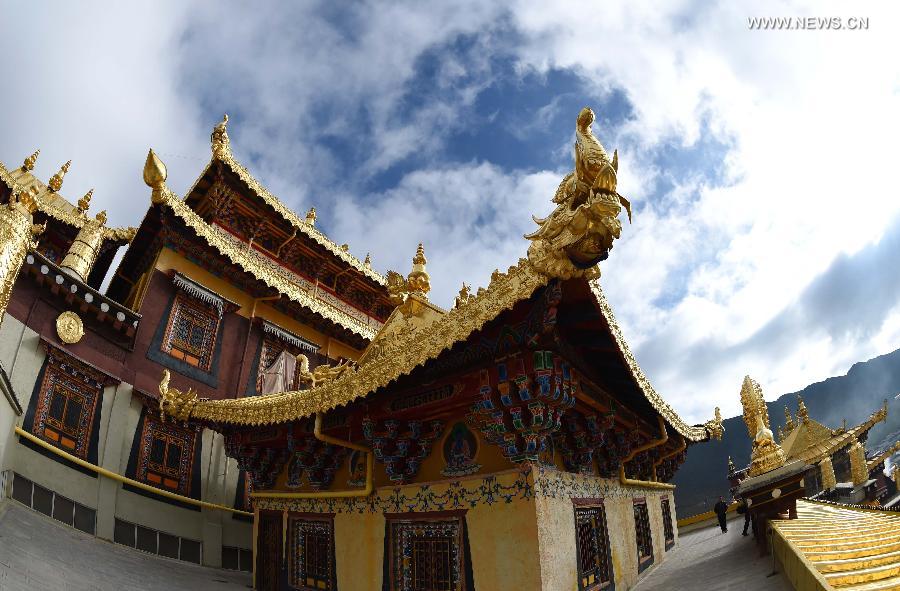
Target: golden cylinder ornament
(16, 231)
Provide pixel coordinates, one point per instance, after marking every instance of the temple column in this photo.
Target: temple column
(16, 237)
(116, 403)
(858, 469)
(829, 482)
(214, 493)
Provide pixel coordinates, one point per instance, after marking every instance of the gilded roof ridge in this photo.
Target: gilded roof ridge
(840, 439)
(72, 218)
(692, 432)
(408, 349)
(244, 260)
(227, 157)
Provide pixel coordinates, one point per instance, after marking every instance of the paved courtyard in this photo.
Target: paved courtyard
(710, 560)
(38, 554)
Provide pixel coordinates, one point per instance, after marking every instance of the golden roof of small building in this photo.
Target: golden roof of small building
(811, 441)
(848, 547)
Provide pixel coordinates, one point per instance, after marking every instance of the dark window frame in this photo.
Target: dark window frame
(200, 316)
(454, 526)
(643, 533)
(300, 528)
(665, 505)
(593, 579)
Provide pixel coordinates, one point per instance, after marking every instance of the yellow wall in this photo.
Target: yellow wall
(503, 536)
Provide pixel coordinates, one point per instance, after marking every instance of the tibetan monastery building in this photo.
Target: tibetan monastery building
(248, 394)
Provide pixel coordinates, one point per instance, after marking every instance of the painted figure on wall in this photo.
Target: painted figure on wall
(357, 469)
(460, 449)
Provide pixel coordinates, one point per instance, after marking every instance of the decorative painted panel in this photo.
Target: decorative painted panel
(401, 445)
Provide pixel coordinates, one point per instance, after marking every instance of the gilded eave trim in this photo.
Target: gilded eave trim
(240, 257)
(693, 433)
(408, 349)
(301, 225)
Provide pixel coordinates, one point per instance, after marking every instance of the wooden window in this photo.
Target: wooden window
(426, 554)
(592, 548)
(311, 558)
(66, 403)
(166, 455)
(191, 332)
(643, 534)
(668, 530)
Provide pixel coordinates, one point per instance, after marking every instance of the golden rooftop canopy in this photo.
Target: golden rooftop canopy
(569, 244)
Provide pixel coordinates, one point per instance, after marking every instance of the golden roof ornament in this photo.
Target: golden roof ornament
(29, 163)
(85, 202)
(859, 470)
(788, 420)
(311, 216)
(731, 468)
(155, 174)
(345, 247)
(101, 217)
(56, 180)
(829, 482)
(802, 413)
(766, 454)
(579, 233)
(465, 294)
(714, 426)
(221, 145)
(418, 279)
(368, 262)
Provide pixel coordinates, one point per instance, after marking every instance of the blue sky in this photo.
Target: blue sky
(760, 162)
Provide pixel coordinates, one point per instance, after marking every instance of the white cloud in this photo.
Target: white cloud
(809, 118)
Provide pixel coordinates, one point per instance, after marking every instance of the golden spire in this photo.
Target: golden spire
(101, 217)
(418, 279)
(311, 216)
(221, 145)
(368, 262)
(85, 202)
(155, 175)
(28, 165)
(731, 468)
(802, 413)
(766, 455)
(56, 180)
(788, 420)
(345, 247)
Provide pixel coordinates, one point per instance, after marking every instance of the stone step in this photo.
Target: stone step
(837, 551)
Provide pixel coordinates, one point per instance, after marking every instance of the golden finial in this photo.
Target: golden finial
(788, 420)
(311, 216)
(85, 202)
(56, 180)
(221, 145)
(28, 165)
(731, 468)
(101, 217)
(155, 176)
(345, 247)
(368, 262)
(465, 292)
(802, 413)
(418, 279)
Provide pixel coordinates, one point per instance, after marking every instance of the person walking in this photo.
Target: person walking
(745, 505)
(721, 509)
